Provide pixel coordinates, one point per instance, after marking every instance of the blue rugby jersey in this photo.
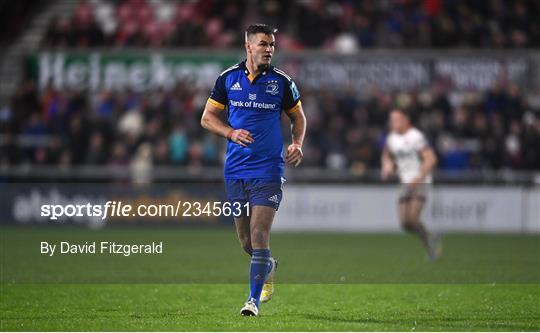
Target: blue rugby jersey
(255, 104)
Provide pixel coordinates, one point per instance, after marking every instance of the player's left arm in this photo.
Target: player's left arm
(298, 130)
(292, 106)
(429, 161)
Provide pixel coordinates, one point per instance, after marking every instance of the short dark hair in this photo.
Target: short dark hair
(260, 28)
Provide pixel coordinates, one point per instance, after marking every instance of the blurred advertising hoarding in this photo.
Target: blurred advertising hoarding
(102, 204)
(138, 72)
(374, 209)
(387, 70)
(309, 207)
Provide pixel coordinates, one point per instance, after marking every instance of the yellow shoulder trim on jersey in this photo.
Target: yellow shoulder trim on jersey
(216, 104)
(251, 77)
(295, 108)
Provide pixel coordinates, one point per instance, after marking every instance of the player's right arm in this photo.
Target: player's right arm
(211, 121)
(211, 117)
(387, 164)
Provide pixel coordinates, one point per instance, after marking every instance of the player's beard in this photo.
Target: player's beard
(262, 67)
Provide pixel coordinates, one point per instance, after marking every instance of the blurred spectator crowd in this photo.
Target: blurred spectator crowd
(492, 130)
(470, 131)
(343, 25)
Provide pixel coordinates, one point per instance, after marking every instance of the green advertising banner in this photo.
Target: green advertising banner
(119, 71)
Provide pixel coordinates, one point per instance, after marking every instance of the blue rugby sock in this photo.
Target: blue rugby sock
(260, 261)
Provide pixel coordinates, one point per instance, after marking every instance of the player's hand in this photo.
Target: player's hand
(241, 137)
(294, 154)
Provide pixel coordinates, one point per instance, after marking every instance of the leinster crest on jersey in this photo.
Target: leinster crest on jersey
(272, 88)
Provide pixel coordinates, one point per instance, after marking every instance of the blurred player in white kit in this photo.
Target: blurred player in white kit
(407, 149)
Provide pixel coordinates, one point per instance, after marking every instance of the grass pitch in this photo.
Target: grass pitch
(339, 282)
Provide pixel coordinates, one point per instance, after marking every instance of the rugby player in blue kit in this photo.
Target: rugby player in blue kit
(255, 94)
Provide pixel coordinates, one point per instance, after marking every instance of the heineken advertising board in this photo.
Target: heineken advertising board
(143, 71)
(120, 71)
